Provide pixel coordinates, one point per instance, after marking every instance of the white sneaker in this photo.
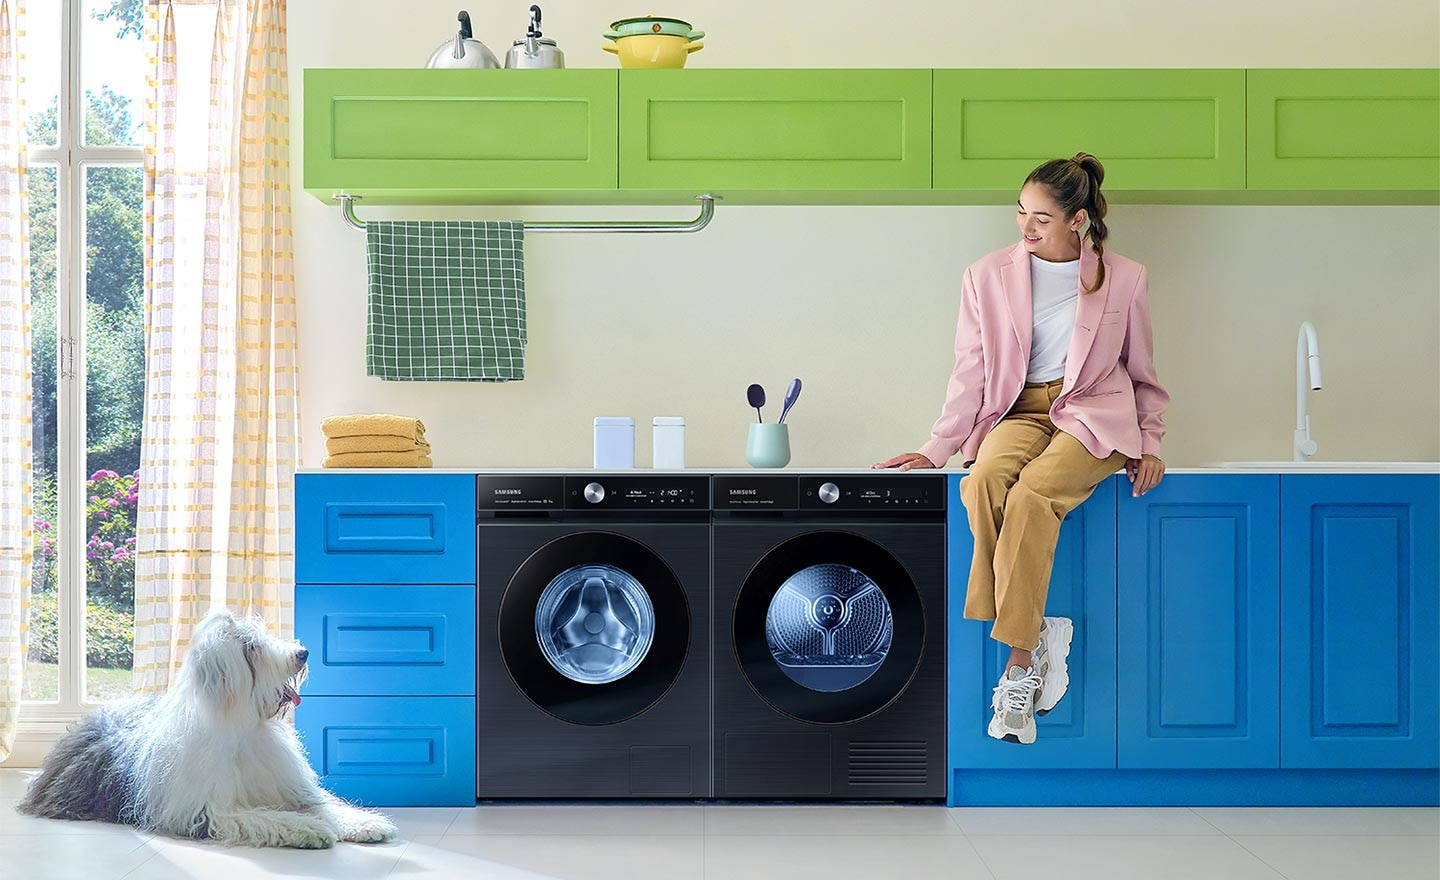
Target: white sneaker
(1014, 704)
(1048, 661)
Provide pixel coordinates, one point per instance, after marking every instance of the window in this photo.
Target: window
(85, 89)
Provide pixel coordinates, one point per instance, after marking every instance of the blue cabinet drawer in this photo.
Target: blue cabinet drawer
(392, 751)
(375, 640)
(385, 528)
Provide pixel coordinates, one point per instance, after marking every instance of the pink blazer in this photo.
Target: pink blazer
(1110, 400)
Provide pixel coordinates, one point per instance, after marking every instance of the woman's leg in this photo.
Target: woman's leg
(1009, 447)
(1054, 483)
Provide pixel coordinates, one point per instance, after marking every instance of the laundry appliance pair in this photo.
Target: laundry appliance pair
(746, 635)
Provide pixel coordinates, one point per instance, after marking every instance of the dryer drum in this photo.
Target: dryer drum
(829, 627)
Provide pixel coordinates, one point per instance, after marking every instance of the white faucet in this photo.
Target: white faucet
(1307, 351)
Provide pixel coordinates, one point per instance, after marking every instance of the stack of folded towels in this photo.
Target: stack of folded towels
(375, 441)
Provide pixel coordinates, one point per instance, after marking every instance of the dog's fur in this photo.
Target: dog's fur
(214, 757)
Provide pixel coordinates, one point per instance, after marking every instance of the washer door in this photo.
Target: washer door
(594, 628)
(829, 627)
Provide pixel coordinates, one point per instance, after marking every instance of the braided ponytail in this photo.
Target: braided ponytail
(1075, 185)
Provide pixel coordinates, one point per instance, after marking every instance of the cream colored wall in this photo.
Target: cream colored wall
(861, 302)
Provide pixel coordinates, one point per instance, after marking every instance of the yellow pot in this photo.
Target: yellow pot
(652, 51)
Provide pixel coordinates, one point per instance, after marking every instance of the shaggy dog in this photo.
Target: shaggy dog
(214, 757)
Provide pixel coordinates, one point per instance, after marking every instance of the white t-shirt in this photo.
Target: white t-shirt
(1054, 288)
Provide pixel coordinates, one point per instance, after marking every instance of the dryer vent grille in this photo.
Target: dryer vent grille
(888, 763)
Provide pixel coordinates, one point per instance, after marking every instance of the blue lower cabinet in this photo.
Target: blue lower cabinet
(403, 640)
(1080, 731)
(1361, 611)
(1198, 623)
(392, 751)
(364, 528)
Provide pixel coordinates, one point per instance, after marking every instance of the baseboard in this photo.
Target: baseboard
(1194, 788)
(32, 743)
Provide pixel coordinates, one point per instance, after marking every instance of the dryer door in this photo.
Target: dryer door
(829, 627)
(594, 627)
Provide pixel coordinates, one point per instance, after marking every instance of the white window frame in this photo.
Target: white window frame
(72, 158)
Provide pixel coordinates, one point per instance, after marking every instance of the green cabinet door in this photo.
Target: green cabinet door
(434, 136)
(1344, 129)
(1152, 129)
(780, 130)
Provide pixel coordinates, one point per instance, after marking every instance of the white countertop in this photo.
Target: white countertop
(1254, 467)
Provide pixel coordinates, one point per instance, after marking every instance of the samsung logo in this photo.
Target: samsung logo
(508, 491)
(743, 492)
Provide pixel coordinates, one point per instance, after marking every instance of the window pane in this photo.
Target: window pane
(113, 69)
(41, 680)
(114, 399)
(41, 87)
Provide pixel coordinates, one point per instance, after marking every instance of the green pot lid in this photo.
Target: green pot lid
(650, 24)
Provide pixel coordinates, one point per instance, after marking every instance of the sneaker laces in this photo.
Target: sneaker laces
(1016, 693)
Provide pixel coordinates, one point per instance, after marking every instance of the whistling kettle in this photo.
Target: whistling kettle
(463, 50)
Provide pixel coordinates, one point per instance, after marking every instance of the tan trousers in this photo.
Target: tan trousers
(1026, 477)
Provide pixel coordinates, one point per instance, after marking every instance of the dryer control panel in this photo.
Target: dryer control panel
(820, 493)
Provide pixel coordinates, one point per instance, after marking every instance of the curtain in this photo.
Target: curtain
(215, 517)
(15, 382)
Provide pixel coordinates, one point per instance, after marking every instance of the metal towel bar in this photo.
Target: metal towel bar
(707, 210)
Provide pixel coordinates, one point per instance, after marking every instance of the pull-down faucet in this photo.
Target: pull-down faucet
(1307, 352)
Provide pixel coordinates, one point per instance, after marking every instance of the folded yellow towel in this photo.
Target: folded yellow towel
(378, 460)
(375, 443)
(384, 425)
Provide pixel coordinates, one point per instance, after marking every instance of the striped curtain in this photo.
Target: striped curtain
(221, 436)
(15, 512)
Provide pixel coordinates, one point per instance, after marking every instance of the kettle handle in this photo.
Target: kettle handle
(465, 31)
(534, 30)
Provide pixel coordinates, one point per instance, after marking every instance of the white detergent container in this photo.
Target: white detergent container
(669, 442)
(614, 442)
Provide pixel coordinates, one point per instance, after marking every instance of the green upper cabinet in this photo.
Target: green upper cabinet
(788, 131)
(428, 136)
(1344, 129)
(1154, 130)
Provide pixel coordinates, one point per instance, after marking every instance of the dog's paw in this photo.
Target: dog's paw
(312, 838)
(369, 829)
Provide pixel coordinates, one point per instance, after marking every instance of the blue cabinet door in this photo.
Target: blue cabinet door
(392, 751)
(359, 528)
(1198, 623)
(1360, 640)
(1080, 731)
(400, 640)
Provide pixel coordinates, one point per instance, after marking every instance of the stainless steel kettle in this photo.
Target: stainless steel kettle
(533, 52)
(463, 50)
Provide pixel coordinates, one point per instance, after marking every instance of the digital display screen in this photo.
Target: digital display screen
(905, 493)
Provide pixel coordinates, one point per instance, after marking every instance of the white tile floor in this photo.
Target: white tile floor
(684, 841)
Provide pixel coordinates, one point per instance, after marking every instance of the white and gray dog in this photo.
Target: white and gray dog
(214, 757)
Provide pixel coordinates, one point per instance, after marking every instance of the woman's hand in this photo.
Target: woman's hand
(905, 461)
(1145, 473)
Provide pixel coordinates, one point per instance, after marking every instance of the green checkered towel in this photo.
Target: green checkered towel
(447, 300)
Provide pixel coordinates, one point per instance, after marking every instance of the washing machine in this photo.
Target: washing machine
(830, 636)
(594, 636)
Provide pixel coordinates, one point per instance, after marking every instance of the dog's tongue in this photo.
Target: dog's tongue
(291, 695)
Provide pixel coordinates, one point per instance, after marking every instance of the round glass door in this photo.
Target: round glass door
(829, 627)
(594, 623)
(594, 627)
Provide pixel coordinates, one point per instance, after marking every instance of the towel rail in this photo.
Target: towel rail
(707, 210)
